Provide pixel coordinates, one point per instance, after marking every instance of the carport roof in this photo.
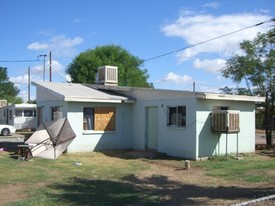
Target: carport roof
(80, 93)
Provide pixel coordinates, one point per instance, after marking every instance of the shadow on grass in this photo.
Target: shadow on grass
(154, 190)
(136, 154)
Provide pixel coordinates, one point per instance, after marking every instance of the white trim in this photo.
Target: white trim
(81, 99)
(87, 132)
(229, 97)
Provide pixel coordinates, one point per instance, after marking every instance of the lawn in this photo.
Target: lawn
(121, 178)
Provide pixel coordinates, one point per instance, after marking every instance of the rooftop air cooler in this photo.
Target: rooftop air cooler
(107, 75)
(226, 121)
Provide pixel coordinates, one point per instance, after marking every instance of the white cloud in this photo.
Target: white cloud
(59, 45)
(176, 78)
(21, 79)
(194, 29)
(209, 65)
(37, 46)
(213, 5)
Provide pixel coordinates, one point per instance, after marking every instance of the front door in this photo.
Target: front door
(151, 128)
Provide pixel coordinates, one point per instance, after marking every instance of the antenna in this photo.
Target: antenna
(68, 78)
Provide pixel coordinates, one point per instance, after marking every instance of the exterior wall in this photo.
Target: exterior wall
(4, 115)
(84, 141)
(99, 140)
(45, 108)
(210, 143)
(174, 141)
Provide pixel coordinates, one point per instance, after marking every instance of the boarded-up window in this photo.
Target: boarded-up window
(103, 119)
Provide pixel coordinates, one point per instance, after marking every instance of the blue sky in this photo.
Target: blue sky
(145, 28)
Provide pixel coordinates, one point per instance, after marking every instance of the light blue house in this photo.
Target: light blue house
(192, 125)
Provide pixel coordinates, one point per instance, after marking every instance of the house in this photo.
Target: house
(21, 116)
(178, 123)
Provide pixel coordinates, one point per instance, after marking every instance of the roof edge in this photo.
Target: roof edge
(230, 97)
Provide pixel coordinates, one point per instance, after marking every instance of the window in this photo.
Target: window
(18, 113)
(99, 118)
(28, 113)
(88, 121)
(176, 116)
(57, 113)
(10, 114)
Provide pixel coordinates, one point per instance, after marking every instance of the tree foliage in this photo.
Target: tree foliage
(84, 67)
(238, 91)
(256, 66)
(8, 90)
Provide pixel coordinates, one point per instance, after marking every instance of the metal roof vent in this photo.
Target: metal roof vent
(226, 121)
(107, 75)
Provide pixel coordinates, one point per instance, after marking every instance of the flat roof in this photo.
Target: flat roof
(198, 95)
(105, 93)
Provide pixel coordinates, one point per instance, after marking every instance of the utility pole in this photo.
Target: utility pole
(50, 59)
(44, 56)
(29, 84)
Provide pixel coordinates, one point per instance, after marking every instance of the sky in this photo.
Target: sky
(147, 29)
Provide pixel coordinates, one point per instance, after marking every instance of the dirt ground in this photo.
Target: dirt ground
(193, 187)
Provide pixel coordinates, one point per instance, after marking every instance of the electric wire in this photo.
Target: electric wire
(15, 61)
(60, 73)
(212, 39)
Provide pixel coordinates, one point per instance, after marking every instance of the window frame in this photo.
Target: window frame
(29, 111)
(56, 113)
(177, 124)
(97, 119)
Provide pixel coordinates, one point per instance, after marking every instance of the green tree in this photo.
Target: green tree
(8, 90)
(238, 91)
(256, 66)
(84, 67)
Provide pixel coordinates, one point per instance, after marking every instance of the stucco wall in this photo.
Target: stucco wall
(46, 108)
(87, 141)
(210, 143)
(174, 141)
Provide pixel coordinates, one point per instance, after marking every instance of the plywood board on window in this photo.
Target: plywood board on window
(104, 119)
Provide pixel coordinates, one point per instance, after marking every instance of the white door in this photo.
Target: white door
(151, 128)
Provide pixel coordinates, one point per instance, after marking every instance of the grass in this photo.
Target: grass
(111, 178)
(51, 182)
(250, 169)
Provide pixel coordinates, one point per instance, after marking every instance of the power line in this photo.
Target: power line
(203, 42)
(14, 61)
